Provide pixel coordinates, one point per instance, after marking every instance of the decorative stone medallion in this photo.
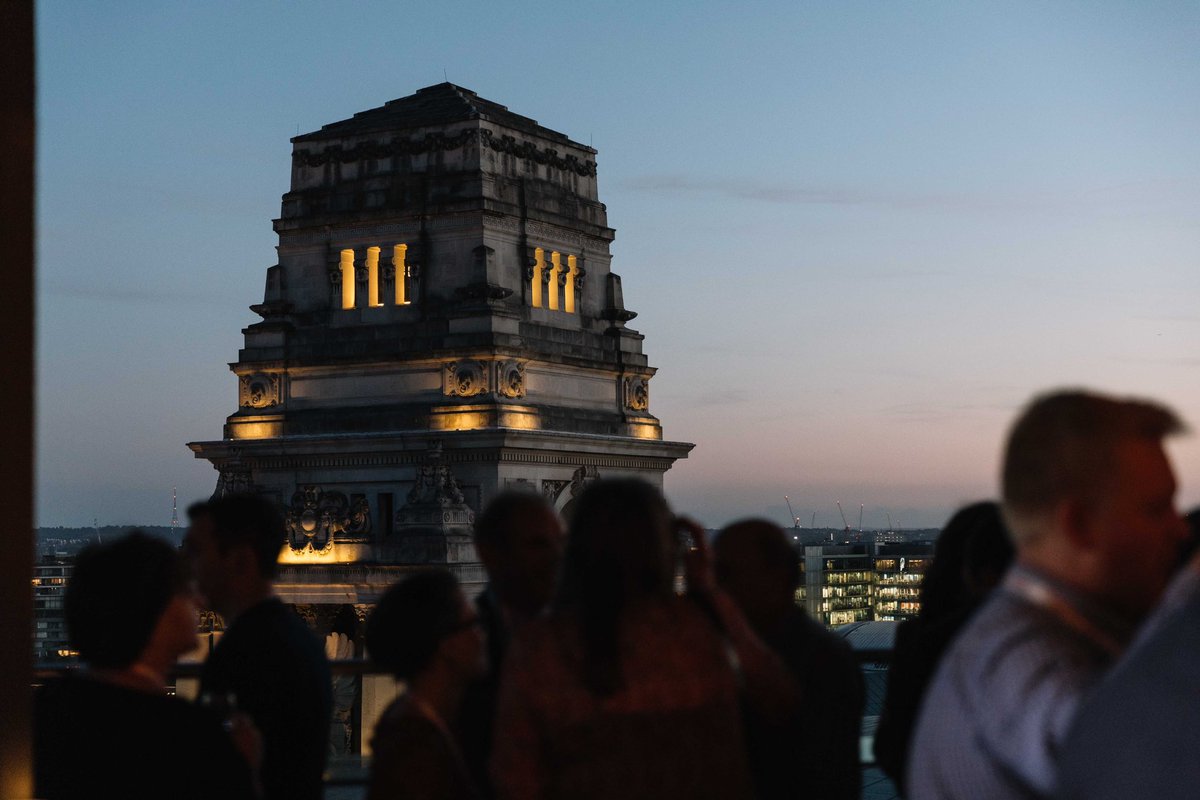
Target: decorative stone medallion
(465, 379)
(510, 379)
(637, 393)
(259, 390)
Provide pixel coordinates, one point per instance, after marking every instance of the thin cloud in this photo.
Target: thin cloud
(134, 295)
(797, 194)
(793, 193)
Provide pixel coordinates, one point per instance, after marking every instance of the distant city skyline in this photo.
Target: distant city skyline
(859, 238)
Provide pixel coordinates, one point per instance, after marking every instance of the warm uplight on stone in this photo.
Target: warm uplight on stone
(442, 324)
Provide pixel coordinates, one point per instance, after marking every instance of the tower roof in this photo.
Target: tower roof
(440, 104)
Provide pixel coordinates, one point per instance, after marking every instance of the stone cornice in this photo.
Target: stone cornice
(440, 141)
(398, 449)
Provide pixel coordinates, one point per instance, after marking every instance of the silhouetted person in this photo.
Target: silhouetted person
(112, 731)
(971, 556)
(626, 690)
(426, 634)
(813, 753)
(520, 539)
(1138, 733)
(1088, 495)
(268, 659)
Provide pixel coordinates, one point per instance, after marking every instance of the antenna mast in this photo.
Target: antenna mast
(174, 511)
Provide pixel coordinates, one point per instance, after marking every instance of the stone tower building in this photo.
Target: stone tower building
(442, 324)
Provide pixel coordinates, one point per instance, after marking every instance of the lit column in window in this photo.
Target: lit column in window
(552, 280)
(539, 265)
(373, 277)
(347, 267)
(569, 289)
(399, 252)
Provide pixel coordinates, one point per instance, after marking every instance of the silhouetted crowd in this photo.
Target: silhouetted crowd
(1055, 653)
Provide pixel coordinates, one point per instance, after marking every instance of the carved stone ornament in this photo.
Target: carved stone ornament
(559, 493)
(315, 517)
(465, 379)
(552, 489)
(233, 479)
(637, 393)
(581, 477)
(359, 524)
(510, 379)
(435, 484)
(259, 390)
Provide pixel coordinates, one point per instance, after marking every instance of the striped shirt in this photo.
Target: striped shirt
(994, 718)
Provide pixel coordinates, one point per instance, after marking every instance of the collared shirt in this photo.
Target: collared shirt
(995, 716)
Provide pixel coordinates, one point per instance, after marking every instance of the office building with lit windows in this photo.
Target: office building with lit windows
(899, 572)
(836, 583)
(845, 583)
(50, 578)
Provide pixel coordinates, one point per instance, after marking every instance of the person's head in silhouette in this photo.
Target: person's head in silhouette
(972, 554)
(520, 540)
(1089, 497)
(425, 632)
(620, 554)
(233, 544)
(759, 569)
(130, 609)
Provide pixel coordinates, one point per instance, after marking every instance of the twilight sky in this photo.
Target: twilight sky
(858, 235)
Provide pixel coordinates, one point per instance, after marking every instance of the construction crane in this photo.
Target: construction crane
(843, 513)
(795, 519)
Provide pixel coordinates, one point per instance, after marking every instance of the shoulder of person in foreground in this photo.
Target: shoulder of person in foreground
(1137, 733)
(1003, 697)
(411, 758)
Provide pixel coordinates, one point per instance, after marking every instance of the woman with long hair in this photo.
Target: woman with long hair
(627, 689)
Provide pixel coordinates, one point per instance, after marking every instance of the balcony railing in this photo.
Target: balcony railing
(348, 773)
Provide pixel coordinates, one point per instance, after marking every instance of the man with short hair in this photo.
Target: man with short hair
(1088, 495)
(813, 753)
(268, 662)
(520, 540)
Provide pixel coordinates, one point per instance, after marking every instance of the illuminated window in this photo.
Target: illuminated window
(347, 267)
(373, 277)
(569, 290)
(552, 283)
(539, 266)
(399, 253)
